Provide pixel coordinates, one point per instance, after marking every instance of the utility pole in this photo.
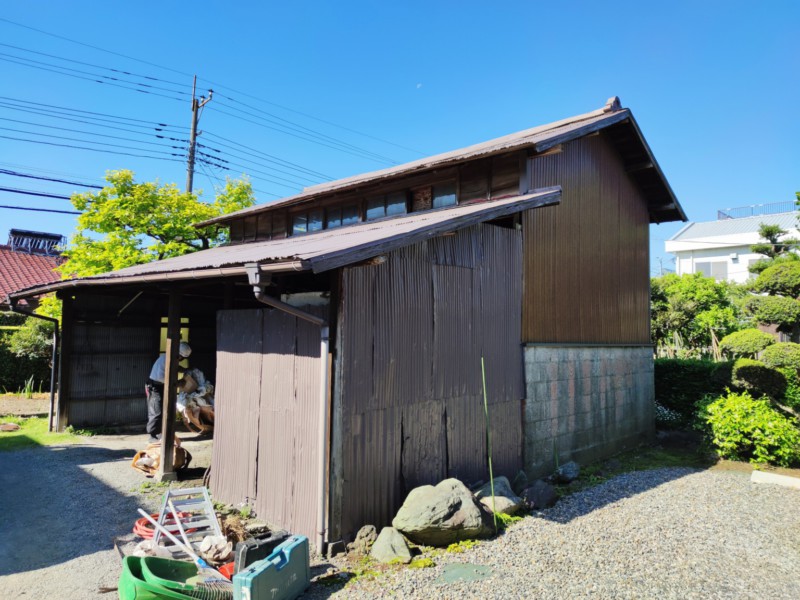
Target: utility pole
(197, 104)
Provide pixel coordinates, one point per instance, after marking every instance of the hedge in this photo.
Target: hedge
(679, 383)
(15, 372)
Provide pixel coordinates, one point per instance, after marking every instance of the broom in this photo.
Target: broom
(211, 584)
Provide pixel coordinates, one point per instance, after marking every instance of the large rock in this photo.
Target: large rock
(505, 500)
(390, 547)
(365, 537)
(441, 515)
(567, 473)
(539, 495)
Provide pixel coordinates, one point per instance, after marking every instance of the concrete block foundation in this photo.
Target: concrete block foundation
(585, 403)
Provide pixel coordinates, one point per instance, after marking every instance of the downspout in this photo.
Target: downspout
(258, 280)
(17, 309)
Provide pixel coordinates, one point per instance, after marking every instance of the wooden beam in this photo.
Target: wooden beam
(166, 470)
(65, 363)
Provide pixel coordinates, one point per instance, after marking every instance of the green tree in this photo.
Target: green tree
(693, 310)
(128, 223)
(775, 247)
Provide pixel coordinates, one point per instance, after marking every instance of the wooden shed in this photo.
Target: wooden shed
(346, 324)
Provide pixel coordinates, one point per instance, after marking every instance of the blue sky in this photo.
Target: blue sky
(714, 86)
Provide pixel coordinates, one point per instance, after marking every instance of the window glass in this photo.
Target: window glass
(299, 224)
(334, 218)
(396, 204)
(376, 208)
(350, 214)
(315, 220)
(444, 194)
(719, 270)
(703, 267)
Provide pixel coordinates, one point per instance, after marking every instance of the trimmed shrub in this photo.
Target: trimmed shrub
(782, 279)
(784, 355)
(791, 396)
(759, 379)
(681, 383)
(743, 428)
(779, 310)
(747, 342)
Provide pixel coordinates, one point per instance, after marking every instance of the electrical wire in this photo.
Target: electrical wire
(267, 177)
(49, 171)
(30, 176)
(34, 193)
(7, 137)
(301, 180)
(45, 210)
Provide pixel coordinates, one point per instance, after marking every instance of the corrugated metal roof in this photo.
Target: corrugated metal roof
(787, 220)
(541, 137)
(321, 251)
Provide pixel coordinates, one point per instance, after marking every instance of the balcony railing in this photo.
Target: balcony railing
(755, 210)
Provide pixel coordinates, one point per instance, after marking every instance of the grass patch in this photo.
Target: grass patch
(32, 432)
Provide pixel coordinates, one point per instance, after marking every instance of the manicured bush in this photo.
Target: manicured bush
(791, 396)
(784, 355)
(782, 279)
(747, 342)
(681, 383)
(779, 310)
(759, 379)
(744, 428)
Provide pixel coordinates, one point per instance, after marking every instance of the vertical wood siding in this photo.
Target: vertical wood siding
(586, 266)
(265, 439)
(411, 334)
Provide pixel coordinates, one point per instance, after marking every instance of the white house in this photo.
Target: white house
(721, 248)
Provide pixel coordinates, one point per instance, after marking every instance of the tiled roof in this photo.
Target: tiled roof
(20, 270)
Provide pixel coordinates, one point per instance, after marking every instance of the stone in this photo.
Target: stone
(365, 537)
(505, 500)
(567, 473)
(520, 482)
(391, 547)
(539, 495)
(443, 514)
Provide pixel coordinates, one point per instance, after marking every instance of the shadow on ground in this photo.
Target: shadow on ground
(54, 509)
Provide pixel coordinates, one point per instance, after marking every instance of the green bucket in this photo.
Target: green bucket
(134, 586)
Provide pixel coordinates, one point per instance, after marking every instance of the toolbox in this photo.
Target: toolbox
(283, 575)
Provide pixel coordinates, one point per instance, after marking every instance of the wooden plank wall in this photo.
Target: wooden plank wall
(411, 334)
(267, 397)
(586, 259)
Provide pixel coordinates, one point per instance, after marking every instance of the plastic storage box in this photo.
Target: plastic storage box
(283, 575)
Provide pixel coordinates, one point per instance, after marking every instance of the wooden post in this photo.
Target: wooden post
(65, 364)
(166, 471)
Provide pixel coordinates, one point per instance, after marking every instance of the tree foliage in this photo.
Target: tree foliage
(782, 279)
(692, 307)
(782, 355)
(778, 310)
(34, 339)
(747, 342)
(128, 223)
(775, 246)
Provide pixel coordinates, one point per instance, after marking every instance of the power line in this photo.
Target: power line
(125, 87)
(7, 137)
(103, 135)
(90, 112)
(301, 180)
(30, 176)
(218, 85)
(268, 157)
(34, 193)
(271, 118)
(46, 210)
(48, 171)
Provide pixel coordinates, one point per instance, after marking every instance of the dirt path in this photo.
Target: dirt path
(21, 406)
(62, 507)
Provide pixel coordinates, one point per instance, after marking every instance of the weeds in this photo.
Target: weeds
(245, 512)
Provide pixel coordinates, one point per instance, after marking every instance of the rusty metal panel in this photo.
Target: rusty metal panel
(237, 396)
(466, 439)
(499, 319)
(461, 249)
(424, 444)
(403, 334)
(506, 426)
(456, 332)
(585, 261)
(372, 489)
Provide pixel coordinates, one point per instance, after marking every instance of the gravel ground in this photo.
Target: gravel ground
(667, 533)
(61, 508)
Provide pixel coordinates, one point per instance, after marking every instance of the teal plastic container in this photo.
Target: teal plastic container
(283, 575)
